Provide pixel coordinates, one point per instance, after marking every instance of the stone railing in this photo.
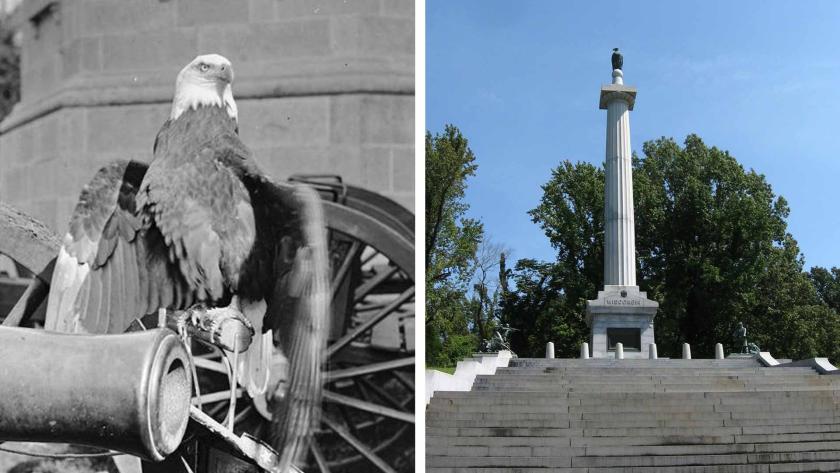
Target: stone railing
(465, 372)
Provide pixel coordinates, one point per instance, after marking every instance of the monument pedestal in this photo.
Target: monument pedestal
(621, 314)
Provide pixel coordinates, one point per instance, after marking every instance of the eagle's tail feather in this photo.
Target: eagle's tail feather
(298, 413)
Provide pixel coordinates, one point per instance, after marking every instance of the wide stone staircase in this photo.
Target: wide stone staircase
(607, 415)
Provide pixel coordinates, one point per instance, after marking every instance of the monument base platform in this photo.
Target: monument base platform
(621, 314)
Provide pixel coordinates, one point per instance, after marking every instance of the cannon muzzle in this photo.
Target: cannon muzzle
(127, 392)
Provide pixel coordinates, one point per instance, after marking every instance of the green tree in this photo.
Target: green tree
(712, 247)
(451, 243)
(827, 284)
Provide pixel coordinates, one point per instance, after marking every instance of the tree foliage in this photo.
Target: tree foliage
(712, 246)
(827, 284)
(452, 240)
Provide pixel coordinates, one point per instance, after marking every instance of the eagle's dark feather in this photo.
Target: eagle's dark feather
(201, 223)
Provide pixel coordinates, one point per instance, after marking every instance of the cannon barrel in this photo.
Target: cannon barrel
(127, 392)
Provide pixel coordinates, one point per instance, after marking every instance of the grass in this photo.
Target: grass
(445, 369)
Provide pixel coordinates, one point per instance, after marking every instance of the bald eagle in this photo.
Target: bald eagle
(203, 225)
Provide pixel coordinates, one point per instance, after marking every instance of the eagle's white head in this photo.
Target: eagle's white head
(204, 81)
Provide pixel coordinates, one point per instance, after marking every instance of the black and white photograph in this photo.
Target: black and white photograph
(207, 236)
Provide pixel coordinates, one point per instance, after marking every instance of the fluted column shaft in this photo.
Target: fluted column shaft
(620, 235)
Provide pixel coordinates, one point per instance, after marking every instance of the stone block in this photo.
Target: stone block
(45, 137)
(17, 184)
(72, 125)
(347, 162)
(345, 119)
(109, 17)
(403, 167)
(125, 129)
(26, 144)
(376, 172)
(9, 149)
(267, 41)
(398, 8)
(373, 35)
(387, 119)
(284, 122)
(81, 55)
(294, 8)
(261, 11)
(406, 199)
(203, 12)
(42, 77)
(280, 162)
(152, 50)
(620, 307)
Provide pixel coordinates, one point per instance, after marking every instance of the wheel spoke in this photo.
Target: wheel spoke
(368, 406)
(29, 301)
(369, 285)
(358, 445)
(343, 341)
(370, 257)
(206, 364)
(385, 396)
(404, 379)
(319, 457)
(216, 396)
(345, 267)
(367, 369)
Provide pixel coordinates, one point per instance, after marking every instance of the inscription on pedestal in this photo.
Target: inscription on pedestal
(622, 302)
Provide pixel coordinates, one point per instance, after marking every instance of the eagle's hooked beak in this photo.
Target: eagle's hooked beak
(225, 73)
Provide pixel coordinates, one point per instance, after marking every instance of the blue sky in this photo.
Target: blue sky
(521, 80)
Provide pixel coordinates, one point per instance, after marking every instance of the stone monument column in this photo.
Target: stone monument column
(619, 235)
(621, 313)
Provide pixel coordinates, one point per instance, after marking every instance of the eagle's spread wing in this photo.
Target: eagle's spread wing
(112, 267)
(299, 309)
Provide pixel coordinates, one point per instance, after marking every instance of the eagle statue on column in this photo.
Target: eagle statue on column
(617, 59)
(203, 226)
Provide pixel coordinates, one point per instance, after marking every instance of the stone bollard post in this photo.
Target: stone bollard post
(718, 351)
(584, 351)
(549, 350)
(652, 352)
(619, 351)
(686, 351)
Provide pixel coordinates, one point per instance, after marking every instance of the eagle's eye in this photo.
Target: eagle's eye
(203, 67)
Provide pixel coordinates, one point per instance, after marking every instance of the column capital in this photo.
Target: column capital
(617, 91)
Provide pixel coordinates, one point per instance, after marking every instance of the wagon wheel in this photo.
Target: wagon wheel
(369, 396)
(32, 247)
(369, 400)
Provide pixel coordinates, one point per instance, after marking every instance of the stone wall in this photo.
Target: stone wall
(322, 87)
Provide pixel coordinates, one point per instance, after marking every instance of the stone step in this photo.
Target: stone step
(648, 378)
(612, 395)
(629, 431)
(663, 398)
(637, 441)
(622, 422)
(650, 389)
(760, 468)
(631, 461)
(643, 407)
(564, 380)
(758, 415)
(618, 371)
(630, 363)
(603, 416)
(651, 461)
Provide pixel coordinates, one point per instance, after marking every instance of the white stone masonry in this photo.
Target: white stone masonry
(620, 235)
